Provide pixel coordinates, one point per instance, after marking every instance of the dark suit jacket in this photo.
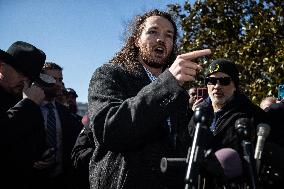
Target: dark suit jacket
(128, 118)
(71, 128)
(22, 140)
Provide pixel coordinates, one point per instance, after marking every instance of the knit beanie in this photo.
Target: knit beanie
(225, 66)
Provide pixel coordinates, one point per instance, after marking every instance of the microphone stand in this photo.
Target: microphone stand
(244, 133)
(197, 151)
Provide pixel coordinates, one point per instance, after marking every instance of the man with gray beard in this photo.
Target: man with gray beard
(225, 105)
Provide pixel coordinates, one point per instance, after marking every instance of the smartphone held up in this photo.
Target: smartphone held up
(202, 92)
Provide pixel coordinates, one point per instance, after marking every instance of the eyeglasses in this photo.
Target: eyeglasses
(222, 80)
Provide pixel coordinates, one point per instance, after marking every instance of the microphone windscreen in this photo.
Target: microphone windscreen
(242, 122)
(230, 162)
(263, 129)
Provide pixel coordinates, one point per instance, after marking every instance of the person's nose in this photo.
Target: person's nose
(161, 39)
(218, 85)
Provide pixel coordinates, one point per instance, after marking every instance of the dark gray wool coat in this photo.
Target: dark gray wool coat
(129, 122)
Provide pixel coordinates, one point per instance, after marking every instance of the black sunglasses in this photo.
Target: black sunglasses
(222, 80)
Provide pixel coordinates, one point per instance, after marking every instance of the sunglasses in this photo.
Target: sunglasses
(222, 80)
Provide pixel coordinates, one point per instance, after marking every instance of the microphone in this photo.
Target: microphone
(224, 166)
(169, 164)
(230, 162)
(243, 126)
(263, 130)
(198, 148)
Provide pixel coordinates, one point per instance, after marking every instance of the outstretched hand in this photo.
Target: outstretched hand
(184, 69)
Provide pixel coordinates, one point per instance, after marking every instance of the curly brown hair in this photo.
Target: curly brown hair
(128, 55)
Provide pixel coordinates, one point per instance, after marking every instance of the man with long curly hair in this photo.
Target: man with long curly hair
(139, 108)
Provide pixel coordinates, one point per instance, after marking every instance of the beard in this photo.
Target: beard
(152, 61)
(52, 92)
(220, 101)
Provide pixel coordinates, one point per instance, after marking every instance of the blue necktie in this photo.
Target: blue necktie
(51, 126)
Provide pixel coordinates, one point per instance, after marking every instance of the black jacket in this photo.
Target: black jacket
(273, 155)
(81, 155)
(128, 116)
(22, 140)
(225, 134)
(275, 114)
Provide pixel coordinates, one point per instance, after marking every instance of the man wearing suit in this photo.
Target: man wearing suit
(56, 167)
(20, 116)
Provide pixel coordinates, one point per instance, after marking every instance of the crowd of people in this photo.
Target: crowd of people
(139, 112)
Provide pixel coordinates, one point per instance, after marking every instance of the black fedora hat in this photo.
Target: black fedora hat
(25, 58)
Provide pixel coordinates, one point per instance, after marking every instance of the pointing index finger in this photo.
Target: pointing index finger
(195, 54)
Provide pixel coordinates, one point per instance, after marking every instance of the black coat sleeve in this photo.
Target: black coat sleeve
(83, 149)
